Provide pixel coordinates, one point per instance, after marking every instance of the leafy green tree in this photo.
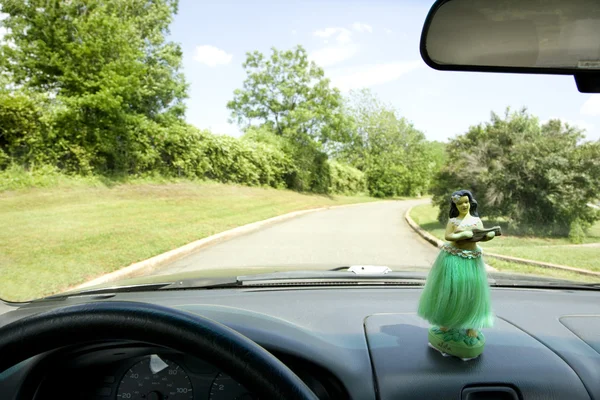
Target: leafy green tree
(439, 158)
(539, 177)
(290, 95)
(395, 156)
(113, 77)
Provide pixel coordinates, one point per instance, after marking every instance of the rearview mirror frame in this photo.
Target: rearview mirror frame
(587, 81)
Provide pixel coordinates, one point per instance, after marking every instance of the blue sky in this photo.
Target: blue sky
(369, 43)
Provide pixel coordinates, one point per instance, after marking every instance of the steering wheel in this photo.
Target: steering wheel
(251, 365)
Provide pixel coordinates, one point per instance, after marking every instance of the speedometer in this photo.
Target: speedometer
(225, 388)
(155, 379)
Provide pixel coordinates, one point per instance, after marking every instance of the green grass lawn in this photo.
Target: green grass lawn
(54, 238)
(514, 268)
(552, 250)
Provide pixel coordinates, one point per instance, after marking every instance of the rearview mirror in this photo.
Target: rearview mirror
(519, 36)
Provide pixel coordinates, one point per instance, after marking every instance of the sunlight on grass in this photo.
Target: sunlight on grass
(580, 257)
(426, 217)
(53, 238)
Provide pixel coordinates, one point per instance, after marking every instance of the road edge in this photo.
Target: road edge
(430, 238)
(146, 266)
(438, 243)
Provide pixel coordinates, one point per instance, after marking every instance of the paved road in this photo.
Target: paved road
(366, 234)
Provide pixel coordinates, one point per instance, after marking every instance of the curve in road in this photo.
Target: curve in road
(367, 234)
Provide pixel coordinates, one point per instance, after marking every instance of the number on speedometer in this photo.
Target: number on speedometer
(225, 388)
(155, 379)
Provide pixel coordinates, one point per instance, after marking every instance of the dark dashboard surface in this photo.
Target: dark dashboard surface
(368, 340)
(124, 370)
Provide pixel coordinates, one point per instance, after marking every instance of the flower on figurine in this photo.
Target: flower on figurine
(455, 198)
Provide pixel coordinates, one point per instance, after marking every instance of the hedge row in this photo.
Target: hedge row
(252, 162)
(31, 138)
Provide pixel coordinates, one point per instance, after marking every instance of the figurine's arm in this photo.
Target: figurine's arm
(453, 236)
(489, 236)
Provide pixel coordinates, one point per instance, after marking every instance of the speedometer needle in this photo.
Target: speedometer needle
(157, 364)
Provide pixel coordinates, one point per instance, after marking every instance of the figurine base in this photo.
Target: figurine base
(456, 342)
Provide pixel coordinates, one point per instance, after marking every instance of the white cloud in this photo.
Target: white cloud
(342, 49)
(388, 31)
(327, 32)
(329, 56)
(342, 35)
(370, 75)
(360, 27)
(592, 106)
(294, 32)
(212, 56)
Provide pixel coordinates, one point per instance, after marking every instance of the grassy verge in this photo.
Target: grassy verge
(56, 237)
(553, 250)
(514, 268)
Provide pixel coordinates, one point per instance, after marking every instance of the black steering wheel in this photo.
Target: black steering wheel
(247, 362)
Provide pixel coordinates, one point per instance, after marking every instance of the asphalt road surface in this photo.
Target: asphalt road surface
(365, 234)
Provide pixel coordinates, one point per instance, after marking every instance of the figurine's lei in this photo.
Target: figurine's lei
(464, 253)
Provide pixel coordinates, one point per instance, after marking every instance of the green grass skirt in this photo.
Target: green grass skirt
(457, 294)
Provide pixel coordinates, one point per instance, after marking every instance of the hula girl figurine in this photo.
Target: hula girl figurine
(456, 297)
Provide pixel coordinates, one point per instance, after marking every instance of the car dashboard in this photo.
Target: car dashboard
(122, 370)
(344, 342)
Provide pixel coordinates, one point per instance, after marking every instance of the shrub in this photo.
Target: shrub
(538, 177)
(24, 130)
(346, 179)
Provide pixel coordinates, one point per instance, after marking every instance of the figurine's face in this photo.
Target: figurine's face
(463, 205)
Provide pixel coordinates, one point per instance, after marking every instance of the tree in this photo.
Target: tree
(539, 177)
(437, 151)
(113, 77)
(395, 156)
(290, 95)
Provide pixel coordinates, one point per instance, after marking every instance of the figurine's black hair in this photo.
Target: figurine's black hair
(454, 211)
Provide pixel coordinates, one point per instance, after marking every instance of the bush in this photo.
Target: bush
(35, 129)
(346, 179)
(309, 168)
(576, 232)
(192, 153)
(538, 177)
(24, 129)
(249, 163)
(182, 154)
(35, 133)
(388, 181)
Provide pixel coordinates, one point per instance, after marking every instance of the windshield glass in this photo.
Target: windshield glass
(165, 139)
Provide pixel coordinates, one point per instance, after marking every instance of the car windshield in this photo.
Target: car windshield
(155, 141)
